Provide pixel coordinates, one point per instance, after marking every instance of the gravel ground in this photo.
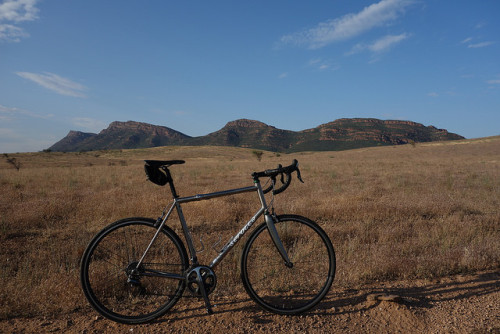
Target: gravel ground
(458, 304)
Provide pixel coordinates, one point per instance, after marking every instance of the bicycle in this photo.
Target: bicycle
(136, 269)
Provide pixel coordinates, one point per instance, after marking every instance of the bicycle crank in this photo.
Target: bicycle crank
(201, 281)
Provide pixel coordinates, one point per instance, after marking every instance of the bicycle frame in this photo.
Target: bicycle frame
(233, 240)
(139, 260)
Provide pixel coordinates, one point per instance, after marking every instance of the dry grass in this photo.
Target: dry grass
(392, 212)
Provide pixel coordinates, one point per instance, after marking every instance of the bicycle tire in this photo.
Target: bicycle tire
(281, 289)
(113, 251)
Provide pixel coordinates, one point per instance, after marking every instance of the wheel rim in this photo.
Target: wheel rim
(282, 289)
(114, 285)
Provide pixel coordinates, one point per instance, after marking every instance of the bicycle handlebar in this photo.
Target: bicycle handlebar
(285, 176)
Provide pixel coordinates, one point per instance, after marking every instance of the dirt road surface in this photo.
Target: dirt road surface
(458, 304)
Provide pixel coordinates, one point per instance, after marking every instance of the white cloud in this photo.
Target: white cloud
(433, 94)
(10, 113)
(322, 65)
(283, 75)
(14, 12)
(467, 40)
(89, 124)
(470, 45)
(11, 33)
(56, 83)
(386, 42)
(348, 26)
(480, 45)
(494, 82)
(18, 10)
(380, 45)
(480, 25)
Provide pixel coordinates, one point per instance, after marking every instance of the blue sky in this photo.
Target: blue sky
(195, 65)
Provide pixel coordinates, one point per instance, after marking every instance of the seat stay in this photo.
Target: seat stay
(165, 217)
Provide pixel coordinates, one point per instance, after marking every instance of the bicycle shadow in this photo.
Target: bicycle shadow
(425, 297)
(350, 301)
(196, 308)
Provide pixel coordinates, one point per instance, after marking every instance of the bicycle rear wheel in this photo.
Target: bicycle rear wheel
(281, 289)
(113, 254)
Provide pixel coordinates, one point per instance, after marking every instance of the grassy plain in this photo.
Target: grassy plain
(413, 211)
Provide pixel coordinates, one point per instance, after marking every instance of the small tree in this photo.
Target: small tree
(13, 162)
(258, 155)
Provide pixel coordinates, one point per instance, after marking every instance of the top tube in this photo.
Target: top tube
(229, 192)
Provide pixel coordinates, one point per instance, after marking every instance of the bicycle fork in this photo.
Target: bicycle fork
(271, 227)
(271, 219)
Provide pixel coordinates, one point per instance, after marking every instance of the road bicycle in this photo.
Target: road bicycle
(136, 269)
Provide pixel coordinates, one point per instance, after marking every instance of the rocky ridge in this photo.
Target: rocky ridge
(345, 133)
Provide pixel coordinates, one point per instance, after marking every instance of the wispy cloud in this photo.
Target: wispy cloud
(283, 75)
(55, 83)
(348, 26)
(467, 40)
(89, 124)
(494, 82)
(12, 13)
(11, 113)
(450, 92)
(322, 65)
(480, 44)
(386, 42)
(380, 45)
(480, 25)
(475, 45)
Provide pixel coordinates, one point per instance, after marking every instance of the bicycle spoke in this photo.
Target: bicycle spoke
(282, 289)
(116, 284)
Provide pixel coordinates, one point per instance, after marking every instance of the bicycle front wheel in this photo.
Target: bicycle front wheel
(277, 287)
(119, 289)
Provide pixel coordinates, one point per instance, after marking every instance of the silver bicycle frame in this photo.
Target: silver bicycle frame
(232, 242)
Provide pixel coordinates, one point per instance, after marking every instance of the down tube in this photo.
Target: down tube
(234, 240)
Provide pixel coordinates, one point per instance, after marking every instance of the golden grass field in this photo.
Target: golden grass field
(412, 211)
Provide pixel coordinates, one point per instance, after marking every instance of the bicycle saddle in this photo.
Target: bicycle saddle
(161, 163)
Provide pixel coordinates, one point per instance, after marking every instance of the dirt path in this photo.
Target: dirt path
(459, 304)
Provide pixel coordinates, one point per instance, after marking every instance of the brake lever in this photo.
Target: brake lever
(282, 179)
(298, 176)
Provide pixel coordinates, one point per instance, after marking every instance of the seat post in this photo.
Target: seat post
(170, 182)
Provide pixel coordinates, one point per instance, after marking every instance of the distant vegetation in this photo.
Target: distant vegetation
(424, 210)
(342, 134)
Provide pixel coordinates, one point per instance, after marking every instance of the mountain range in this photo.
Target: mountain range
(341, 134)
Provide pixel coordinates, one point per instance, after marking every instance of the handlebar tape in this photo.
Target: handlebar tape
(284, 172)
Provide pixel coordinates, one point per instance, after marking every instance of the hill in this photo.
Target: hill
(341, 134)
(120, 135)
